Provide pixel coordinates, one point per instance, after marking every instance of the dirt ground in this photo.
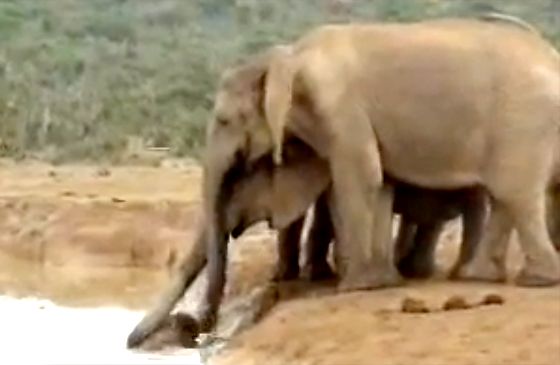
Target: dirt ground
(369, 327)
(313, 327)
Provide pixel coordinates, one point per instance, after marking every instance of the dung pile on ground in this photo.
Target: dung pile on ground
(452, 303)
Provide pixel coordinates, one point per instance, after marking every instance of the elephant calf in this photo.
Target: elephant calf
(282, 195)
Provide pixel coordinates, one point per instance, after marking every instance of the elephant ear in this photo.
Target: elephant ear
(278, 96)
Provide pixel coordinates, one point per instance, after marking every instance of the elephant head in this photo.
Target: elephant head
(250, 98)
(250, 109)
(280, 195)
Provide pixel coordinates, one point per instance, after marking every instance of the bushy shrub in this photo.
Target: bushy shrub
(78, 77)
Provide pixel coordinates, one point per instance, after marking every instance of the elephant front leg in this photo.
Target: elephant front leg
(542, 265)
(487, 262)
(364, 212)
(287, 266)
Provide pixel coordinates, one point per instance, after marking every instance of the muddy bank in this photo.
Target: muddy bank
(92, 220)
(321, 327)
(364, 328)
(78, 286)
(97, 217)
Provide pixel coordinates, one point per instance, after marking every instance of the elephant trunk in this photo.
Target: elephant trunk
(218, 171)
(187, 272)
(210, 247)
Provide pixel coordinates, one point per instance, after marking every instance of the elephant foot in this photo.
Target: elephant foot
(529, 277)
(318, 272)
(286, 273)
(480, 271)
(371, 278)
(530, 280)
(416, 267)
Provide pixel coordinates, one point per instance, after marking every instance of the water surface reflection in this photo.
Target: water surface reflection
(131, 288)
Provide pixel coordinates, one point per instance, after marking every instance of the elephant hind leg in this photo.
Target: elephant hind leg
(474, 219)
(542, 267)
(525, 200)
(488, 258)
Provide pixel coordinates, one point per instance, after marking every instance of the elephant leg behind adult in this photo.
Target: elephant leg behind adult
(404, 242)
(315, 266)
(426, 211)
(414, 249)
(289, 239)
(419, 260)
(321, 233)
(474, 216)
(423, 214)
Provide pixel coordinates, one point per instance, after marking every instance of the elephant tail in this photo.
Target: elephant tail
(278, 95)
(510, 19)
(188, 270)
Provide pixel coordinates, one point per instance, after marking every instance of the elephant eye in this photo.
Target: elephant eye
(222, 122)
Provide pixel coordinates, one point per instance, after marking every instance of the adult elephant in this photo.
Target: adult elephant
(440, 104)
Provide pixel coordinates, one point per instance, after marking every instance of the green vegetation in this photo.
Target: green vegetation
(77, 77)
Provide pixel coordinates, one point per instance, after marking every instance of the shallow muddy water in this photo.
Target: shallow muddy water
(131, 288)
(72, 315)
(36, 331)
